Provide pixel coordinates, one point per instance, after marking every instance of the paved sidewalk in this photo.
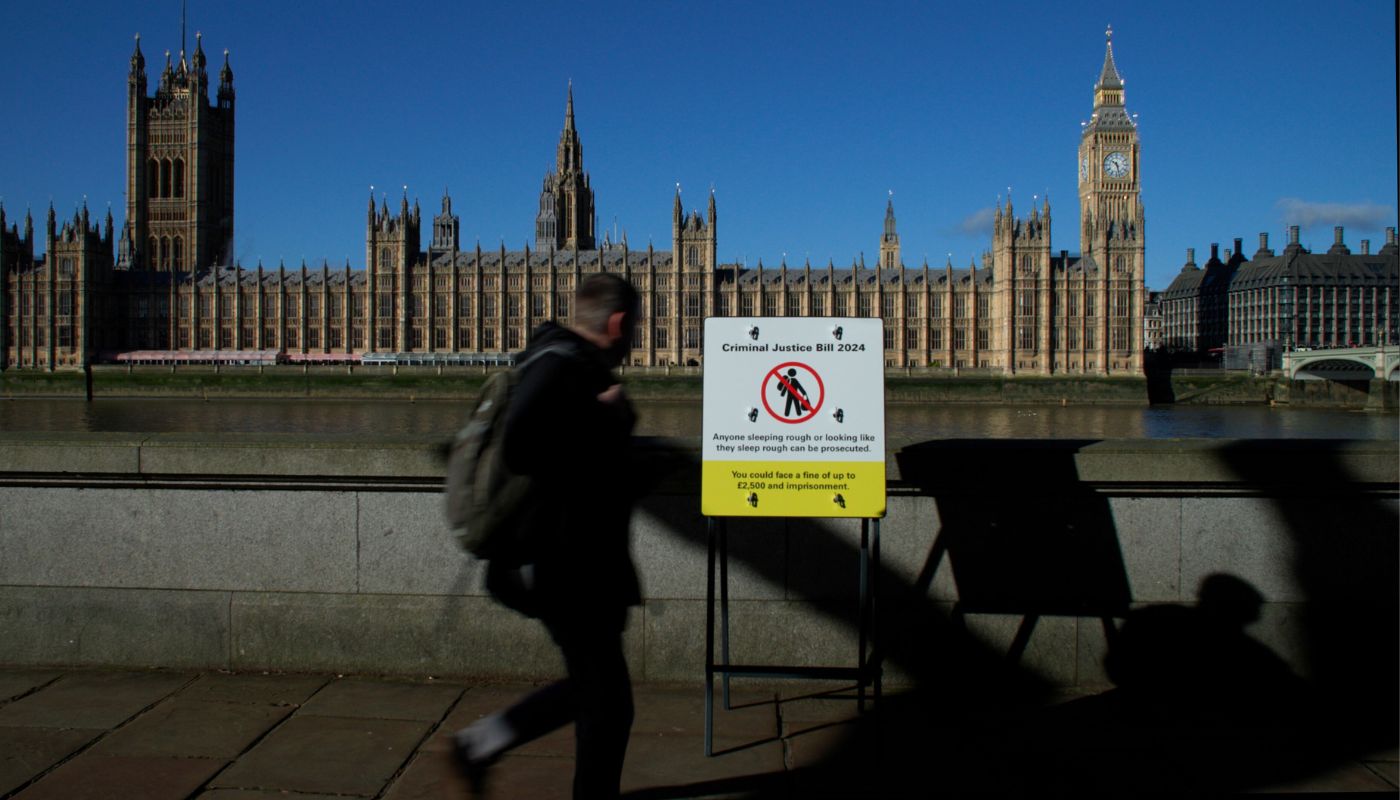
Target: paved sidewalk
(75, 734)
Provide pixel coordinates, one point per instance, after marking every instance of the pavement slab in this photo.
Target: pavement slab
(556, 744)
(666, 747)
(254, 688)
(329, 755)
(681, 710)
(15, 683)
(353, 697)
(533, 777)
(812, 745)
(810, 712)
(26, 752)
(192, 729)
(478, 701)
(76, 734)
(656, 760)
(431, 776)
(94, 777)
(91, 699)
(1388, 771)
(254, 794)
(1348, 777)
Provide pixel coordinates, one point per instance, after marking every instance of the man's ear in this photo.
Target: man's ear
(617, 325)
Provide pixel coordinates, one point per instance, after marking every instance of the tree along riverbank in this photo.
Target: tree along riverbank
(901, 386)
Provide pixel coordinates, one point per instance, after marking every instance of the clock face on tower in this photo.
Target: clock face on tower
(1116, 165)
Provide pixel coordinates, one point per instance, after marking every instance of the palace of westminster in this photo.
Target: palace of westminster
(163, 288)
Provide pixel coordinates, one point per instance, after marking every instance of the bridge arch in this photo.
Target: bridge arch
(1334, 367)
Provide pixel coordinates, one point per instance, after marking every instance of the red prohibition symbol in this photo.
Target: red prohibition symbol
(797, 404)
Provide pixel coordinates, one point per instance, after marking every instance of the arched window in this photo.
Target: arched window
(179, 177)
(152, 178)
(177, 253)
(165, 251)
(691, 256)
(165, 170)
(153, 253)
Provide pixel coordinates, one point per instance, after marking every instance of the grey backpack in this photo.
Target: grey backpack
(483, 497)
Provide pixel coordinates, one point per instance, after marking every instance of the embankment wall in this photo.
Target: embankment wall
(328, 554)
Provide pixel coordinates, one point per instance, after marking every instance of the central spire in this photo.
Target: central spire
(569, 159)
(569, 108)
(566, 216)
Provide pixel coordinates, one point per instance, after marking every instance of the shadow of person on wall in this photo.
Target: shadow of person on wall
(1196, 664)
(1198, 705)
(1199, 664)
(1341, 526)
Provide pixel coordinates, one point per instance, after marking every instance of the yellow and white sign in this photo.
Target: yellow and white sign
(794, 418)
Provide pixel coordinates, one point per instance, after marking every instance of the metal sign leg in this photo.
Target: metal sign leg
(867, 672)
(710, 638)
(864, 613)
(876, 655)
(724, 606)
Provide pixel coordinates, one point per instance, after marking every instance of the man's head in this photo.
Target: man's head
(605, 312)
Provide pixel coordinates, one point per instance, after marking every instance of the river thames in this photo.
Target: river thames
(905, 423)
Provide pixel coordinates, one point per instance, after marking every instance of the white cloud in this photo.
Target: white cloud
(978, 223)
(1357, 215)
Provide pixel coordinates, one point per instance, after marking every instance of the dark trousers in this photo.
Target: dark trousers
(596, 697)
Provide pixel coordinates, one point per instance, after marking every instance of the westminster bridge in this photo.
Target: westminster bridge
(1344, 364)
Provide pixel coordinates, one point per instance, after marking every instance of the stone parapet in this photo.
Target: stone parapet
(322, 553)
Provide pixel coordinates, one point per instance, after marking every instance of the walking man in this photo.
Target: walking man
(569, 425)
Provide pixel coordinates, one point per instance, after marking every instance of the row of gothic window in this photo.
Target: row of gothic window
(166, 252)
(165, 178)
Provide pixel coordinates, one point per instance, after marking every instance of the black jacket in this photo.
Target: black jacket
(578, 449)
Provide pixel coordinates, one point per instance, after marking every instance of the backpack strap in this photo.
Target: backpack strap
(563, 348)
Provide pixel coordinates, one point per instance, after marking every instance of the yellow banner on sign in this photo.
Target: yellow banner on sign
(793, 489)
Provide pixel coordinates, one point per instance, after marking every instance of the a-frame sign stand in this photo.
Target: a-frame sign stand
(866, 673)
(794, 427)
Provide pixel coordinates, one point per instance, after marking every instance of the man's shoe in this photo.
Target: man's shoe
(472, 770)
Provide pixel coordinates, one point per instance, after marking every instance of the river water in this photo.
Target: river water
(904, 423)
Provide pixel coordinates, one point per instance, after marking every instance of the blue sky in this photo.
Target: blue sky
(802, 116)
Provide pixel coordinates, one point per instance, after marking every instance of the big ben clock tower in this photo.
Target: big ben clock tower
(1109, 182)
(1111, 223)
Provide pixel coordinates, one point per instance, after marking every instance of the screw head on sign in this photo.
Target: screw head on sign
(836, 332)
(753, 499)
(839, 500)
(753, 332)
(752, 415)
(839, 415)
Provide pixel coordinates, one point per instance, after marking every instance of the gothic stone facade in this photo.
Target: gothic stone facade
(171, 292)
